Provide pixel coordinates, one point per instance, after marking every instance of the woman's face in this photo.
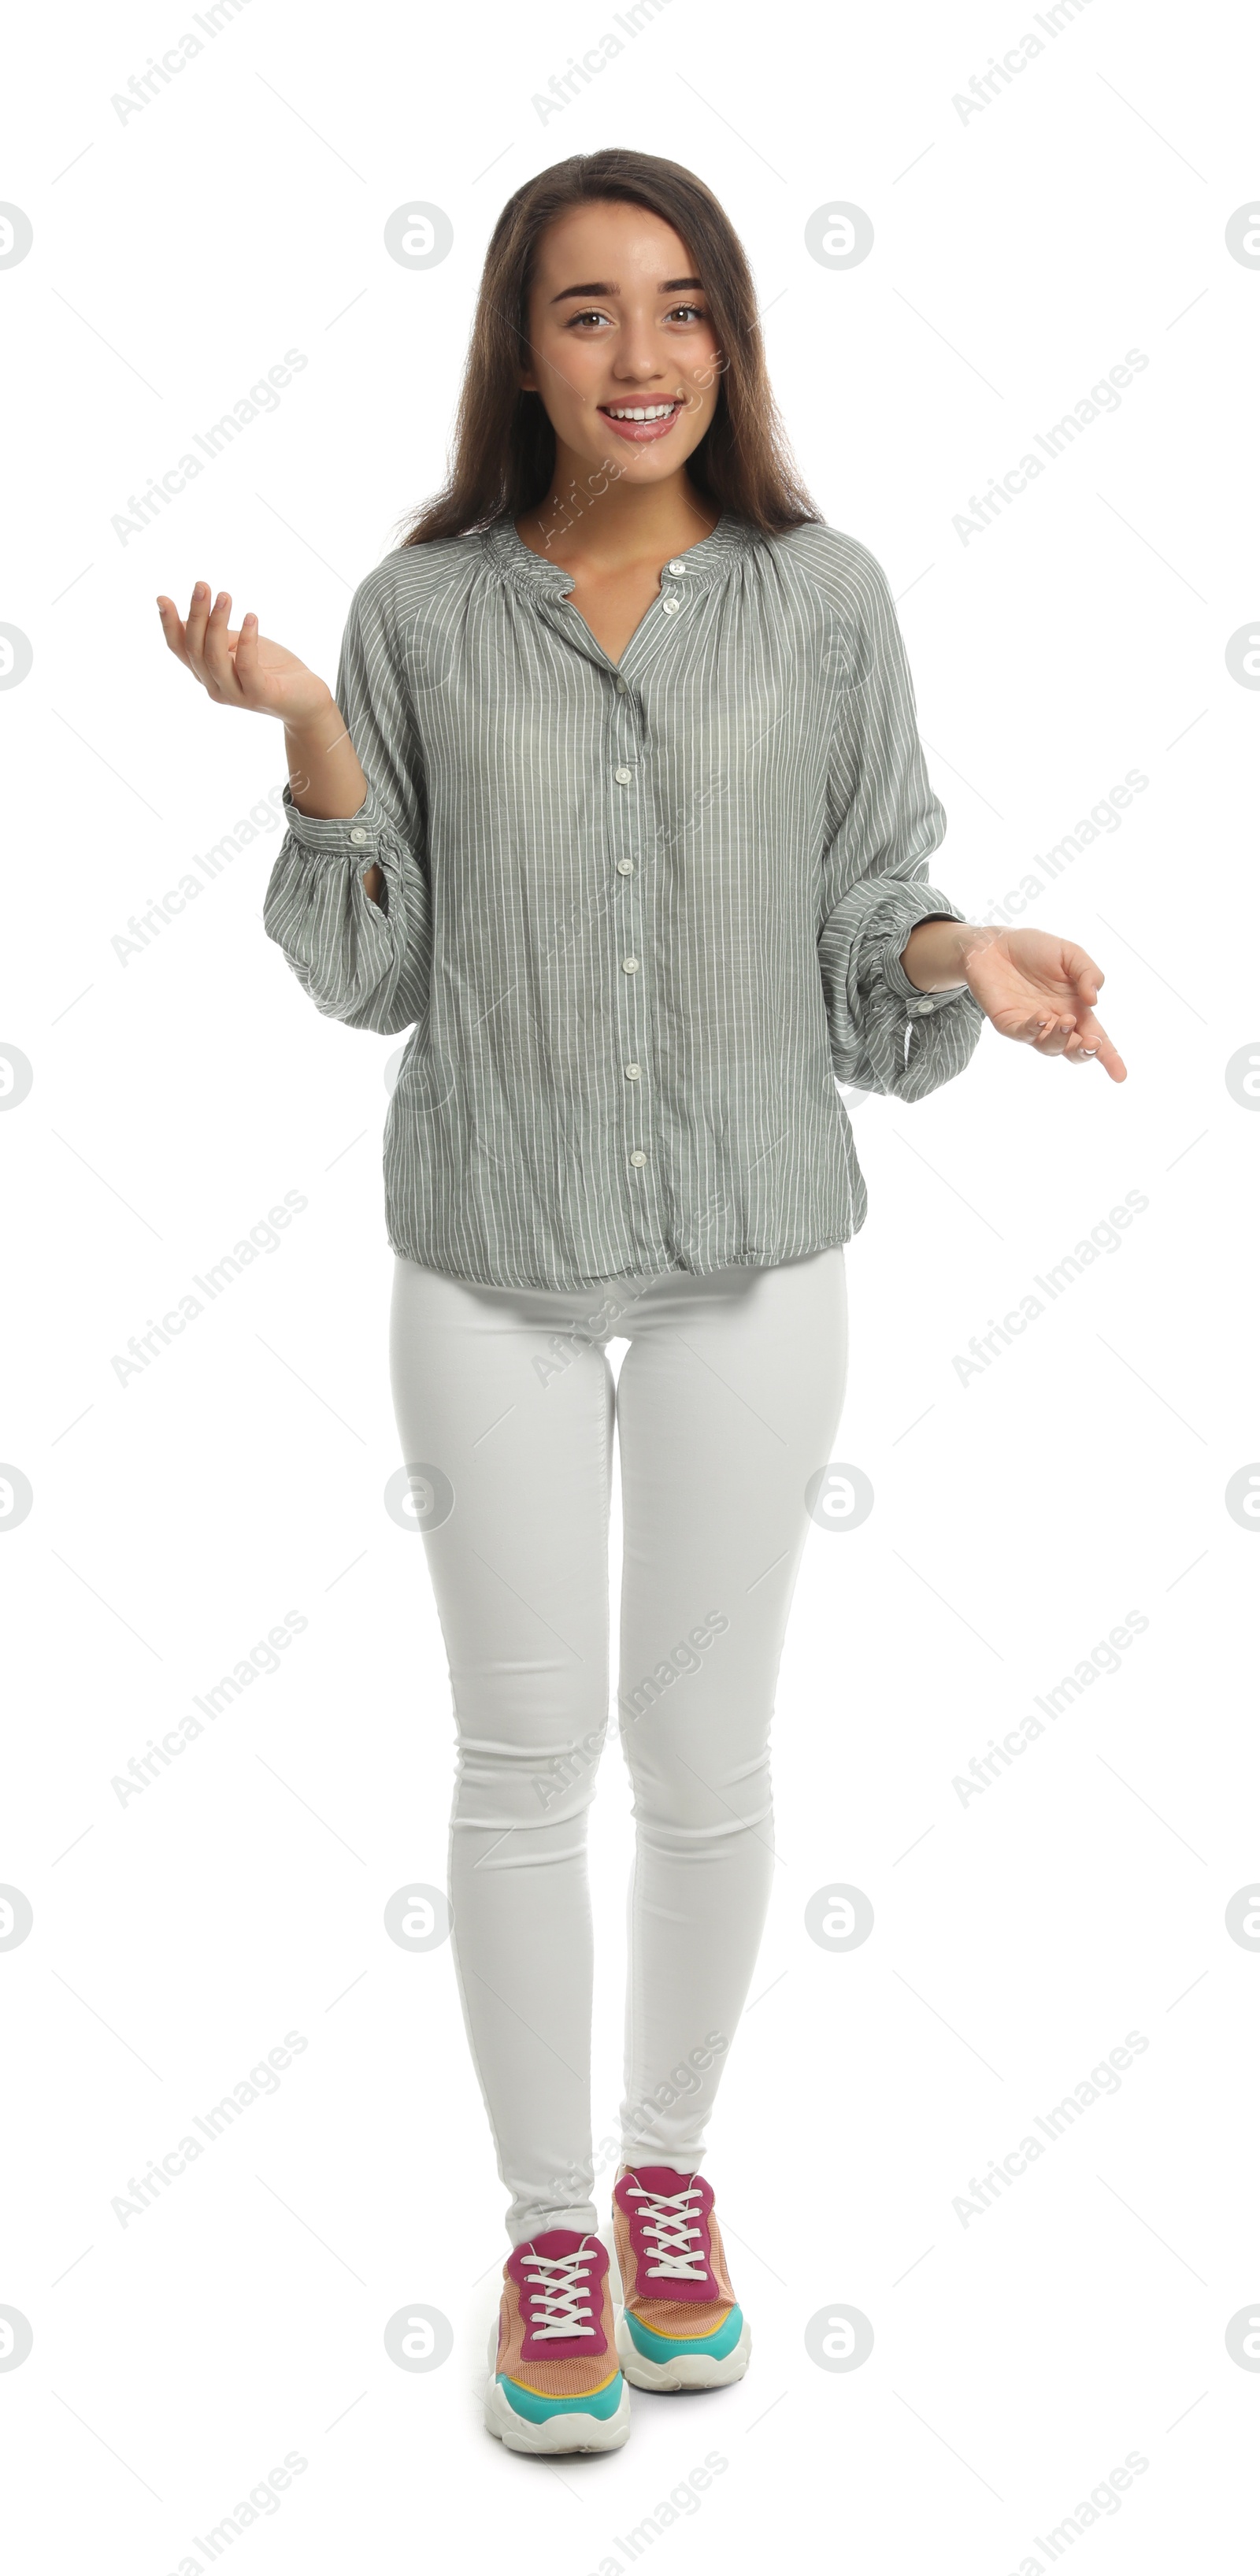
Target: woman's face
(618, 323)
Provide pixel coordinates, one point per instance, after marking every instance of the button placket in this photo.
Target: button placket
(655, 633)
(626, 751)
(625, 793)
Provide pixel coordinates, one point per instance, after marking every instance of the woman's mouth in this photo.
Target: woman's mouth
(642, 421)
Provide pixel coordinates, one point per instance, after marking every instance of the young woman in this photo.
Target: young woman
(620, 808)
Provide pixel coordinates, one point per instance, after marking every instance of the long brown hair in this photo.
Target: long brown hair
(505, 447)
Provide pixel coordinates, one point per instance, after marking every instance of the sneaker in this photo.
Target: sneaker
(555, 2384)
(680, 2326)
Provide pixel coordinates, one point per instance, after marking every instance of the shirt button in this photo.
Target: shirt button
(677, 565)
(357, 836)
(621, 689)
(922, 1008)
(623, 776)
(671, 607)
(631, 965)
(633, 1072)
(638, 1156)
(625, 867)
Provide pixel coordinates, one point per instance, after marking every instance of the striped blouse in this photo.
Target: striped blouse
(641, 918)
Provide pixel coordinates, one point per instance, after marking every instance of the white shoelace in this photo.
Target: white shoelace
(677, 2236)
(560, 2298)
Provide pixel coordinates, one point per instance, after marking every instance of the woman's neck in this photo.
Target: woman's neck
(610, 524)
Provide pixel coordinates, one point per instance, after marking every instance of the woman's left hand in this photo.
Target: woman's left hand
(1041, 990)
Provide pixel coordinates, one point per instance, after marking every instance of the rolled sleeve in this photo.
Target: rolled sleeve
(362, 961)
(343, 834)
(890, 966)
(885, 1034)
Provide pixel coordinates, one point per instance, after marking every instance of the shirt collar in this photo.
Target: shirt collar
(537, 577)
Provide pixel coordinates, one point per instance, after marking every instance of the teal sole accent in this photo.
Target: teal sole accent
(656, 2347)
(539, 2410)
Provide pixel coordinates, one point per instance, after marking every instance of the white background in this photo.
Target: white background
(1017, 2359)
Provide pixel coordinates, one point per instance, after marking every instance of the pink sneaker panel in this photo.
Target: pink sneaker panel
(670, 2305)
(556, 2365)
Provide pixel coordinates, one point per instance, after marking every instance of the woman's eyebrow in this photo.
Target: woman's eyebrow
(671, 286)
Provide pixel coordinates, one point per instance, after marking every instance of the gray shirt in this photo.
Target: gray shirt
(640, 917)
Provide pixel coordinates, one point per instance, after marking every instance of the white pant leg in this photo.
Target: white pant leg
(727, 1401)
(518, 1418)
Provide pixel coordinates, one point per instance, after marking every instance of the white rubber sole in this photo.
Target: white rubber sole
(557, 2433)
(689, 2370)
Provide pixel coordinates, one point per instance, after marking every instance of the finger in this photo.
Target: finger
(195, 628)
(1054, 1028)
(1045, 1018)
(1087, 1029)
(1090, 1044)
(245, 659)
(1110, 1058)
(1080, 970)
(173, 629)
(1085, 1026)
(218, 657)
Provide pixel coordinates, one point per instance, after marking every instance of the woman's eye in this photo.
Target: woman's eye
(693, 312)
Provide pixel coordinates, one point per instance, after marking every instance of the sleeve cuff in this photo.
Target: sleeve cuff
(894, 975)
(343, 836)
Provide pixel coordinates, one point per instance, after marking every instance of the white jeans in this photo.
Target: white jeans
(725, 1404)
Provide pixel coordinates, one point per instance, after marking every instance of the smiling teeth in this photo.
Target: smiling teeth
(641, 411)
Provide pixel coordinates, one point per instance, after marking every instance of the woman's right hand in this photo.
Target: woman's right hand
(237, 666)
